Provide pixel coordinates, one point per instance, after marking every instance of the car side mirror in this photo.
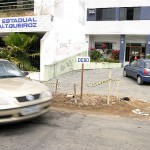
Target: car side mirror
(25, 73)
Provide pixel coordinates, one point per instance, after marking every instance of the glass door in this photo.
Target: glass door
(135, 51)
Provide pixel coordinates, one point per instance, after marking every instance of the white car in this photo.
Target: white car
(20, 97)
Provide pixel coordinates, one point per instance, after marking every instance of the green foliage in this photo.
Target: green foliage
(109, 60)
(3, 53)
(108, 51)
(95, 55)
(17, 49)
(148, 56)
(115, 54)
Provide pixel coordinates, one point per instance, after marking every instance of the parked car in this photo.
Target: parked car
(138, 69)
(20, 97)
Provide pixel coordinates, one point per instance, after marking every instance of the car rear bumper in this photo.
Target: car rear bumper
(15, 114)
(146, 78)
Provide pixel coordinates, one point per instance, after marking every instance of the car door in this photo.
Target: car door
(137, 68)
(131, 68)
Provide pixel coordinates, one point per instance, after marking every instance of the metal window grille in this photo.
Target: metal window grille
(16, 5)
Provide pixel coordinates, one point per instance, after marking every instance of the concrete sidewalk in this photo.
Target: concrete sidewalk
(128, 86)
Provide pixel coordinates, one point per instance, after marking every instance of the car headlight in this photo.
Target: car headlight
(6, 100)
(46, 94)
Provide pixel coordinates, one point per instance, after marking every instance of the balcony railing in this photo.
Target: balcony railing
(16, 5)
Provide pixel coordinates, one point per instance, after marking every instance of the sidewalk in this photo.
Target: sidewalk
(128, 86)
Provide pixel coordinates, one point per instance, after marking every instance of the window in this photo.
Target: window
(133, 64)
(130, 13)
(105, 14)
(9, 5)
(103, 45)
(147, 65)
(139, 64)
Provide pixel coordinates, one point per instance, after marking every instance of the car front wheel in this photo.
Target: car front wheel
(139, 80)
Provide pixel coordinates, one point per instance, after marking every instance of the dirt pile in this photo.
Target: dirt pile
(98, 104)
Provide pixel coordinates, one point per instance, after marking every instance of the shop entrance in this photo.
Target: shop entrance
(133, 50)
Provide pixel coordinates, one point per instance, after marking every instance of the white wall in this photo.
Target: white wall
(66, 37)
(141, 27)
(44, 7)
(75, 10)
(135, 38)
(116, 3)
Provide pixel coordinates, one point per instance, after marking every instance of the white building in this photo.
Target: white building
(123, 25)
(71, 27)
(62, 22)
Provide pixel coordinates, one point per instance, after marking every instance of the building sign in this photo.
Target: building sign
(19, 22)
(92, 11)
(25, 24)
(83, 59)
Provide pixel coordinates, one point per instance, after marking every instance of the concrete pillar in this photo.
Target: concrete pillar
(87, 44)
(148, 44)
(122, 49)
(117, 16)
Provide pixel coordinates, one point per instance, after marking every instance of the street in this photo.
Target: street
(71, 130)
(76, 131)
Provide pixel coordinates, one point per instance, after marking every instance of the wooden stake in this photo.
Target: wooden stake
(109, 88)
(82, 74)
(74, 90)
(118, 84)
(56, 86)
(75, 93)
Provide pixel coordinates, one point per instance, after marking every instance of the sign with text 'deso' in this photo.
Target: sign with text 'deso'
(81, 59)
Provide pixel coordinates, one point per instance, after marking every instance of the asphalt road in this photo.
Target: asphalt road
(75, 131)
(128, 87)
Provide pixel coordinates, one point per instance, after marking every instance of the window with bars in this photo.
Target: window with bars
(8, 5)
(101, 45)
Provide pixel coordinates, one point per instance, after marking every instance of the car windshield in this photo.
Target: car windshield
(147, 64)
(7, 69)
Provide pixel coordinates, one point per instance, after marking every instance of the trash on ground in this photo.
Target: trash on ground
(139, 112)
(70, 96)
(125, 99)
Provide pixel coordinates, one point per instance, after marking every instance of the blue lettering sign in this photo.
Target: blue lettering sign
(7, 20)
(34, 20)
(83, 59)
(28, 22)
(15, 20)
(3, 20)
(19, 19)
(7, 25)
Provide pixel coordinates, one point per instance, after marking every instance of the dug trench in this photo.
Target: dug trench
(98, 104)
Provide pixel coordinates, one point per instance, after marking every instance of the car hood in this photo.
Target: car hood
(16, 87)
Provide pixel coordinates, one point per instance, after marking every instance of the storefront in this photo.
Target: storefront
(134, 49)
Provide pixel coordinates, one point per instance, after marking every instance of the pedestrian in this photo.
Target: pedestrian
(135, 58)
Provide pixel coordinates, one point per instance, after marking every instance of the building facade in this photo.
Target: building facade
(61, 24)
(71, 27)
(122, 25)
